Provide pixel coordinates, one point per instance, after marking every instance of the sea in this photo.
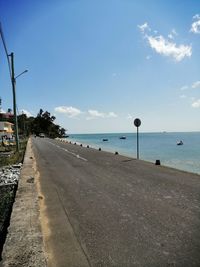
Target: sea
(152, 146)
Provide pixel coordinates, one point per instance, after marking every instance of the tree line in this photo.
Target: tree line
(42, 123)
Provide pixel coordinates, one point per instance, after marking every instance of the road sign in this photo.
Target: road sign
(137, 122)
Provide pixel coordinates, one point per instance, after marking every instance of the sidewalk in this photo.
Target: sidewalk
(24, 244)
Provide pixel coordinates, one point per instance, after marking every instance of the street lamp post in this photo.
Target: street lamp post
(13, 79)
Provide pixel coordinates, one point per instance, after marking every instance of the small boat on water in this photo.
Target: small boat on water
(180, 143)
(105, 139)
(122, 137)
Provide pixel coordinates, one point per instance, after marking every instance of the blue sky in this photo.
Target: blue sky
(97, 65)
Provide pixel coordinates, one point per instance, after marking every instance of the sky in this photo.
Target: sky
(98, 65)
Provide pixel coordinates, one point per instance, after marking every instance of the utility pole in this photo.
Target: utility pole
(14, 101)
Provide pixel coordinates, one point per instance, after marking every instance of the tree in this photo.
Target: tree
(42, 123)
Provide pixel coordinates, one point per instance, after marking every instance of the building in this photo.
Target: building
(6, 129)
(6, 126)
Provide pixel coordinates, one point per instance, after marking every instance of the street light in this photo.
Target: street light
(21, 74)
(13, 80)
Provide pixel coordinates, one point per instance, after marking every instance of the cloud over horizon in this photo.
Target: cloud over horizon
(196, 103)
(94, 114)
(70, 112)
(196, 84)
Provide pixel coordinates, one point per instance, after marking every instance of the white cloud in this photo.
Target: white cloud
(72, 112)
(172, 34)
(183, 88)
(196, 103)
(195, 27)
(196, 84)
(111, 115)
(167, 48)
(144, 27)
(93, 114)
(197, 16)
(28, 114)
(68, 111)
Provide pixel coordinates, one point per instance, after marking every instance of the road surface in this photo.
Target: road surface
(101, 209)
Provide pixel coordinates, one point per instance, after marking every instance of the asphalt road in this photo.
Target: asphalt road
(108, 210)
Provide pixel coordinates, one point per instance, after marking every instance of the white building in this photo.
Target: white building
(6, 129)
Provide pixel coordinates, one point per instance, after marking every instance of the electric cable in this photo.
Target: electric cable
(6, 51)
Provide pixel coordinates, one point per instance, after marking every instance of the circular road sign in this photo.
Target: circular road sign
(137, 122)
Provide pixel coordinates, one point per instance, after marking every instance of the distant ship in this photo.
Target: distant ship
(180, 143)
(105, 139)
(122, 137)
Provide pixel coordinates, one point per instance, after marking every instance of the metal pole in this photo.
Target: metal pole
(14, 102)
(137, 142)
(137, 123)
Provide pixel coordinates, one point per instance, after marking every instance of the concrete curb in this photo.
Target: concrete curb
(24, 243)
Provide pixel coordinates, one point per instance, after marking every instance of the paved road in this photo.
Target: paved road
(108, 210)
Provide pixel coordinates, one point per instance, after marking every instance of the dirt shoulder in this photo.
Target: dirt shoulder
(24, 243)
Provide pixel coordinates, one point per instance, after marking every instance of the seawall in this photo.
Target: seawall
(24, 244)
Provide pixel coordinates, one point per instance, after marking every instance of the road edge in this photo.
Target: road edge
(24, 242)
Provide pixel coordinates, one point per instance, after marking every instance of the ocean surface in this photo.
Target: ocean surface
(152, 146)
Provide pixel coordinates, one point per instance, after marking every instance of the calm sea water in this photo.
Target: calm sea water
(162, 146)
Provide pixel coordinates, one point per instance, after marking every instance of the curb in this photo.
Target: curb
(24, 243)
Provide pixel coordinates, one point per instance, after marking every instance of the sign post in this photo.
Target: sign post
(137, 123)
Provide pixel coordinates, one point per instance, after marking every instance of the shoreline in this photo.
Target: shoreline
(152, 147)
(92, 146)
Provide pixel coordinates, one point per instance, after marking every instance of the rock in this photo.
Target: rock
(30, 180)
(17, 166)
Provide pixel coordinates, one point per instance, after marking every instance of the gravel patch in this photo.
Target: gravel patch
(10, 174)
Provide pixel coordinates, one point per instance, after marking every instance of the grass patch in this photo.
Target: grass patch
(9, 156)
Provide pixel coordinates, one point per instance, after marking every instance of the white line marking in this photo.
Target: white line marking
(69, 152)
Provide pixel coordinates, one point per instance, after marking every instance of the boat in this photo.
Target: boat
(122, 137)
(180, 143)
(105, 139)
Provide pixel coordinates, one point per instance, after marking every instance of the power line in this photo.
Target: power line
(6, 51)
